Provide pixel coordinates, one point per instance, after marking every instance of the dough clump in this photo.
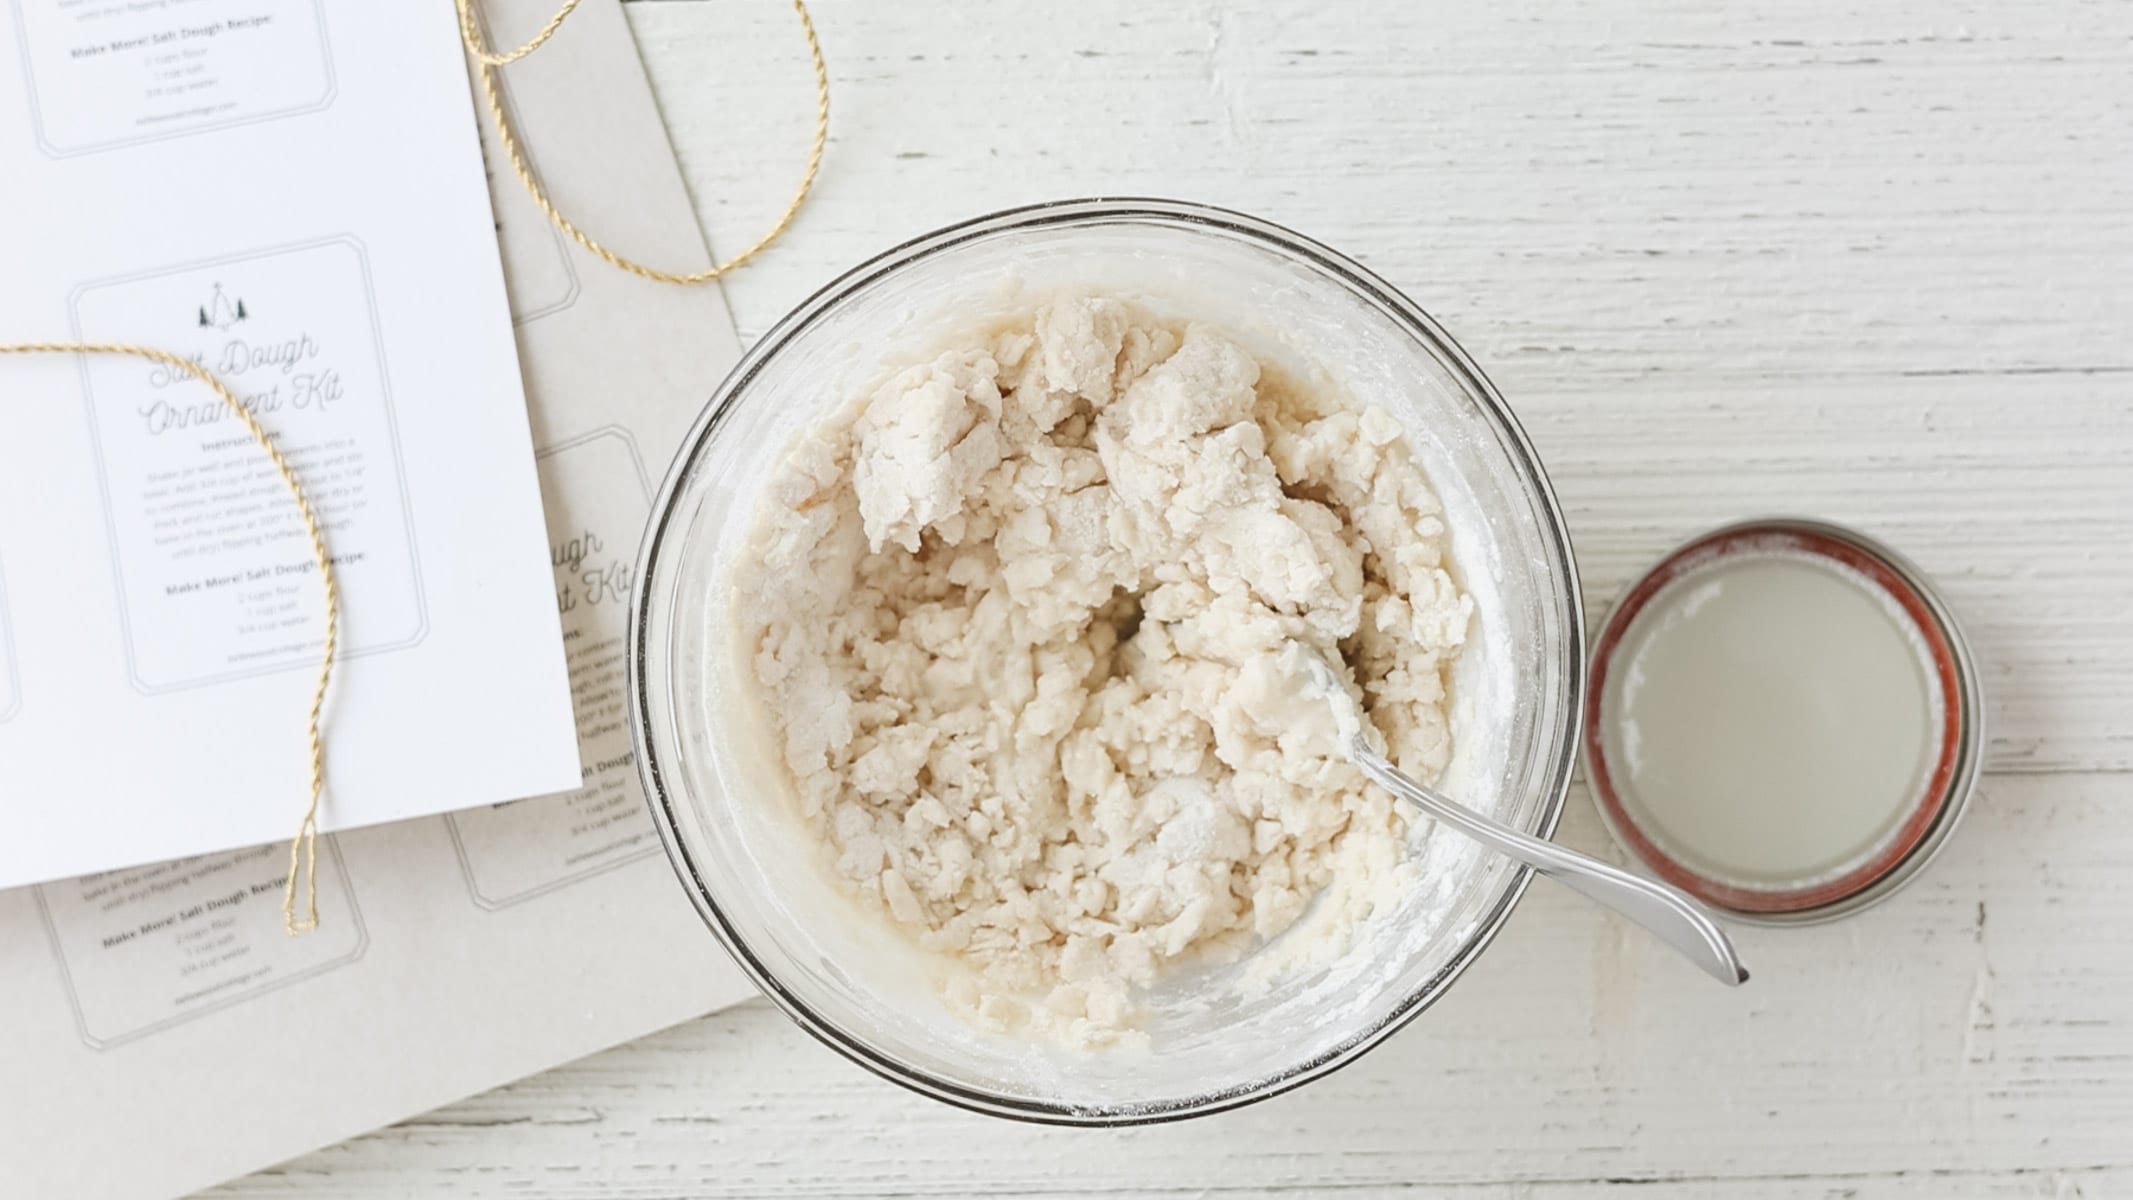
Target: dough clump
(1020, 620)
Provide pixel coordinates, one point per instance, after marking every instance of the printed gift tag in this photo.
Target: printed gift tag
(217, 574)
(159, 70)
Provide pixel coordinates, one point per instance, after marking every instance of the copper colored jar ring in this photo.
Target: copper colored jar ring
(1948, 784)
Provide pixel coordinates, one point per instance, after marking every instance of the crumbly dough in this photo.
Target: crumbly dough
(1022, 617)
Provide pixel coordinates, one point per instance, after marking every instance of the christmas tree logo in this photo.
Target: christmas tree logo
(220, 313)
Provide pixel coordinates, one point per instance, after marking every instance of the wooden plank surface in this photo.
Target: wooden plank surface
(1862, 260)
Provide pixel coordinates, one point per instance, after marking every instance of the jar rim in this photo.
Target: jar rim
(1946, 786)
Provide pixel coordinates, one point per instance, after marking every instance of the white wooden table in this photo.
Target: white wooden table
(1854, 258)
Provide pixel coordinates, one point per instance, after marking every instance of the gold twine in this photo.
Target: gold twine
(470, 34)
(303, 848)
(489, 60)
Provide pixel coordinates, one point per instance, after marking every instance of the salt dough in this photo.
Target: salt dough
(1017, 619)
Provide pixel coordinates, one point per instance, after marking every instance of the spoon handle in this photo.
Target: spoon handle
(1678, 921)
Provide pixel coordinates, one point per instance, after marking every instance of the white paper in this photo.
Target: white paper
(293, 195)
(10, 688)
(163, 1010)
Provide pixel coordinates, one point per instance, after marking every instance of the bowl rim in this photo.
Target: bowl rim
(652, 552)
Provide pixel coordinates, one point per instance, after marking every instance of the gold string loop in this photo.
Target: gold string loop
(470, 33)
(488, 60)
(304, 846)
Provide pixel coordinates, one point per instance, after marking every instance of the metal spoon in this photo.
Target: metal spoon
(1678, 921)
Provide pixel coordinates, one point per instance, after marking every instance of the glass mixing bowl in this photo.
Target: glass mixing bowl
(1217, 1037)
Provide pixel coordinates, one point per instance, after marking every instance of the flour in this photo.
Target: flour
(1021, 618)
